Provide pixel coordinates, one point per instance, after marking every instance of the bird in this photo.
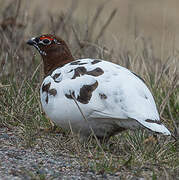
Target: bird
(93, 95)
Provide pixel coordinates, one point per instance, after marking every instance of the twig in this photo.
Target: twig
(171, 116)
(18, 9)
(89, 124)
(106, 24)
(95, 20)
(3, 86)
(36, 70)
(81, 45)
(166, 174)
(170, 91)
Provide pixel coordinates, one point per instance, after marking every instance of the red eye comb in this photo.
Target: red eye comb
(45, 37)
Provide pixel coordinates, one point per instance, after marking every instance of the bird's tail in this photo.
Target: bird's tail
(156, 126)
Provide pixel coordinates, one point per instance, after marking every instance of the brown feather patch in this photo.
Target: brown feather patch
(46, 87)
(95, 61)
(46, 99)
(102, 96)
(153, 121)
(82, 71)
(55, 76)
(69, 96)
(78, 63)
(75, 63)
(85, 93)
(79, 71)
(96, 72)
(52, 92)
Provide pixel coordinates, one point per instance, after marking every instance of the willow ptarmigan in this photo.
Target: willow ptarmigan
(111, 97)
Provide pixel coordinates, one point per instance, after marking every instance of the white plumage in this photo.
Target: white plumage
(111, 97)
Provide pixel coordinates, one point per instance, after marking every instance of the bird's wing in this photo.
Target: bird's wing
(108, 91)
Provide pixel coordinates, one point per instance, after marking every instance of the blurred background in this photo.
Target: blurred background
(156, 20)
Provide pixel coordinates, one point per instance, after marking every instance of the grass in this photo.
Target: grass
(127, 154)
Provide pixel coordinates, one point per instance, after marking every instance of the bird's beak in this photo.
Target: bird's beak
(31, 42)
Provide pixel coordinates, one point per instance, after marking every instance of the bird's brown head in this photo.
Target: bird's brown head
(54, 51)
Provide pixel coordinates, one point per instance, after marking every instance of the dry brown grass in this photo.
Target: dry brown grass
(21, 74)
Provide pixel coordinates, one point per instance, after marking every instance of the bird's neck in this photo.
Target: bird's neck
(55, 59)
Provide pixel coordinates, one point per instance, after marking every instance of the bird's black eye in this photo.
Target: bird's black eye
(46, 41)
